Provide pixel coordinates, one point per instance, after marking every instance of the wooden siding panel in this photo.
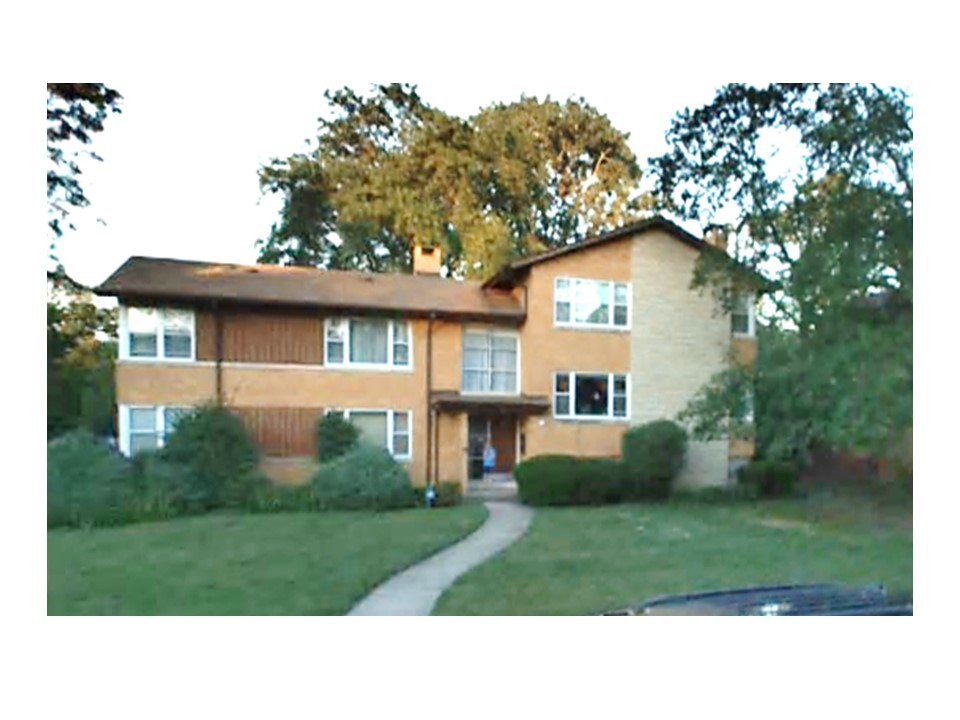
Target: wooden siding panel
(269, 337)
(281, 431)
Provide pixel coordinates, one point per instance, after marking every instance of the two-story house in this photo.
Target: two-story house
(557, 353)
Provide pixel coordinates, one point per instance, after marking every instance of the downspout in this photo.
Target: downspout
(431, 420)
(218, 351)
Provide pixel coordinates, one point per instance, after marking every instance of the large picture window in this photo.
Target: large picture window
(147, 427)
(389, 429)
(489, 361)
(596, 396)
(591, 303)
(363, 342)
(157, 333)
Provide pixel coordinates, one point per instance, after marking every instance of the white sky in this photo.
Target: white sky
(184, 184)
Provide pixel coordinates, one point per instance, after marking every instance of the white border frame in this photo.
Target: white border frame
(611, 418)
(378, 367)
(751, 319)
(123, 335)
(390, 426)
(573, 325)
(124, 425)
(492, 330)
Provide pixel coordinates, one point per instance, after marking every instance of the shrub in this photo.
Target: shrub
(768, 478)
(163, 488)
(364, 478)
(568, 480)
(88, 483)
(449, 494)
(213, 447)
(653, 455)
(282, 498)
(335, 436)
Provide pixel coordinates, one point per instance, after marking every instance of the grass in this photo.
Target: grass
(235, 564)
(586, 560)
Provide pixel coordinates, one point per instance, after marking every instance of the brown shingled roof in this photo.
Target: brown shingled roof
(164, 279)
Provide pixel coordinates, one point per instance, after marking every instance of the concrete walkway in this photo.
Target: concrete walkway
(416, 590)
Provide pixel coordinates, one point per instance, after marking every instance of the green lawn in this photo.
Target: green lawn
(586, 560)
(233, 564)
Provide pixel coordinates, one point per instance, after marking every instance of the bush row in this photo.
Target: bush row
(211, 462)
(651, 456)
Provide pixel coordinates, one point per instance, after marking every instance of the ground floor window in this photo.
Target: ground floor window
(389, 429)
(592, 396)
(147, 427)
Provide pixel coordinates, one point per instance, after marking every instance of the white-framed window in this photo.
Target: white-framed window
(157, 333)
(578, 302)
(743, 316)
(389, 429)
(147, 427)
(490, 361)
(591, 395)
(374, 343)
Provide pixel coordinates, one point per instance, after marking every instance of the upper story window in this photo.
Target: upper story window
(591, 396)
(490, 361)
(368, 342)
(591, 303)
(743, 316)
(157, 333)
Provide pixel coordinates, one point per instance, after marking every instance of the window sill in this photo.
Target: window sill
(366, 367)
(590, 419)
(591, 328)
(744, 336)
(161, 361)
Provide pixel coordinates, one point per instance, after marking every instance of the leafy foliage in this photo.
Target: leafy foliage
(81, 350)
(390, 170)
(75, 111)
(335, 436)
(831, 243)
(87, 482)
(652, 455)
(365, 478)
(212, 445)
(769, 478)
(569, 480)
(449, 494)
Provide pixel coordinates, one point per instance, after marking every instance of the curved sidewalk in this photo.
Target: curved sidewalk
(416, 590)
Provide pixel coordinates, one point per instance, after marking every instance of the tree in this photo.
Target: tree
(389, 170)
(75, 111)
(831, 241)
(81, 350)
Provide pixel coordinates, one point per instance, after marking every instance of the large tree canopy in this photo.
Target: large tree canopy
(389, 171)
(75, 111)
(832, 236)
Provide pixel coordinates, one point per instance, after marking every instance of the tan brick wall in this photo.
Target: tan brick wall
(679, 340)
(142, 383)
(452, 447)
(545, 349)
(744, 350)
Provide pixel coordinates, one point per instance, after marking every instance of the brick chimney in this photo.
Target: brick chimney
(426, 260)
(716, 235)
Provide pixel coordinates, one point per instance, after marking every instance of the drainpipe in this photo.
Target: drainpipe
(218, 351)
(431, 419)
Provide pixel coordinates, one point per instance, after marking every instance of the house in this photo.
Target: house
(556, 353)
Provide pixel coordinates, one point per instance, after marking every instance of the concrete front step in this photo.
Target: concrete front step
(492, 490)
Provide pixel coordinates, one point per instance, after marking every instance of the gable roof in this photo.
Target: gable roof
(508, 275)
(147, 278)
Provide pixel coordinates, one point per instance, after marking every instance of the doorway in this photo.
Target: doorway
(501, 432)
